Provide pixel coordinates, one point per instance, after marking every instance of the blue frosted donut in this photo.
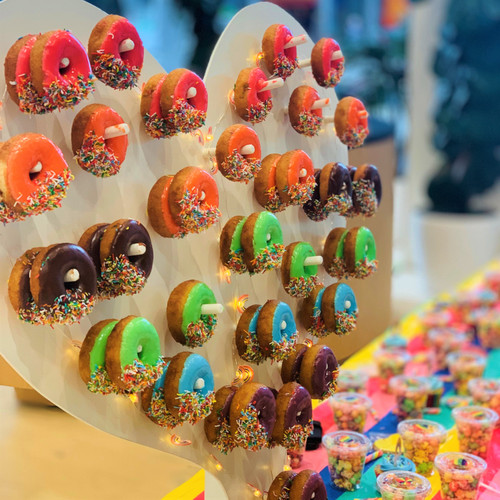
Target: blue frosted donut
(339, 308)
(310, 313)
(246, 335)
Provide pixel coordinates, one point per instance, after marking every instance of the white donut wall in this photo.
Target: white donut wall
(48, 357)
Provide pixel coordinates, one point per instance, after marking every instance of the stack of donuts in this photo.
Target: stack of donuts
(289, 485)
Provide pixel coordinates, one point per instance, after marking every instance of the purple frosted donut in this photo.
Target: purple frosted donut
(290, 369)
(280, 487)
(336, 187)
(319, 371)
(314, 208)
(307, 485)
(366, 190)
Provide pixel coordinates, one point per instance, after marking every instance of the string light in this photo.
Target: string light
(178, 441)
(256, 492)
(224, 274)
(218, 465)
(244, 374)
(258, 58)
(77, 343)
(308, 342)
(133, 397)
(239, 303)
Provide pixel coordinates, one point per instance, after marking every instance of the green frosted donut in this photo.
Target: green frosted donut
(298, 279)
(231, 251)
(360, 252)
(333, 253)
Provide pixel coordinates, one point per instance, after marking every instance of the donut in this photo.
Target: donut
(297, 278)
(262, 242)
(366, 190)
(126, 254)
(303, 119)
(231, 251)
(336, 187)
(333, 253)
(247, 343)
(193, 199)
(116, 52)
(351, 122)
(216, 425)
(314, 208)
(290, 368)
(189, 387)
(251, 104)
(295, 177)
(310, 313)
(339, 309)
(293, 416)
(319, 371)
(264, 185)
(327, 62)
(360, 252)
(183, 101)
(34, 176)
(159, 210)
(92, 358)
(308, 485)
(238, 153)
(276, 330)
(133, 358)
(60, 69)
(186, 322)
(278, 60)
(280, 487)
(252, 416)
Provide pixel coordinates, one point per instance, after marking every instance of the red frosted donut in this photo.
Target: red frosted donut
(238, 153)
(351, 122)
(295, 177)
(60, 69)
(97, 148)
(264, 185)
(279, 61)
(327, 62)
(305, 120)
(33, 176)
(252, 104)
(184, 100)
(194, 199)
(116, 52)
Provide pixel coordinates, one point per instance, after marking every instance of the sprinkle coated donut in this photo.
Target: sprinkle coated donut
(231, 251)
(366, 190)
(304, 120)
(314, 208)
(238, 153)
(310, 313)
(186, 322)
(247, 342)
(319, 371)
(133, 357)
(60, 69)
(279, 61)
(295, 177)
(183, 101)
(336, 187)
(333, 253)
(252, 104)
(351, 122)
(33, 176)
(308, 485)
(280, 487)
(327, 62)
(290, 368)
(252, 416)
(360, 252)
(264, 185)
(189, 387)
(116, 52)
(339, 308)
(94, 152)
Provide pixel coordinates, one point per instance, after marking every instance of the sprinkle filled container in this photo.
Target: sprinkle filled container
(350, 410)
(346, 458)
(485, 392)
(460, 474)
(352, 381)
(436, 390)
(444, 341)
(464, 366)
(488, 330)
(390, 363)
(401, 485)
(411, 396)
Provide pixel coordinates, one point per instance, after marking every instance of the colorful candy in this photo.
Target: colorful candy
(488, 330)
(352, 381)
(436, 390)
(390, 363)
(411, 396)
(464, 366)
(445, 340)
(402, 485)
(350, 410)
(485, 392)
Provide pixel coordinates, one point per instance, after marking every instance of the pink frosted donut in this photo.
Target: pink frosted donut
(60, 69)
(351, 122)
(279, 61)
(184, 101)
(295, 177)
(116, 52)
(252, 104)
(305, 120)
(327, 71)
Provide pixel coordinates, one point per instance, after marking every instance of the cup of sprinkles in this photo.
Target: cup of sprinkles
(403, 485)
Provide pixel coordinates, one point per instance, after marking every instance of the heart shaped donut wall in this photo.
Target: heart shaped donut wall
(48, 357)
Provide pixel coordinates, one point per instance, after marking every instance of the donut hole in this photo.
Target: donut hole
(140, 352)
(65, 70)
(72, 285)
(134, 258)
(35, 171)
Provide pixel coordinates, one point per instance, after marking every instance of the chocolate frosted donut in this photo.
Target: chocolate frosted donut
(308, 485)
(314, 208)
(280, 487)
(290, 369)
(336, 188)
(319, 371)
(366, 190)
(90, 241)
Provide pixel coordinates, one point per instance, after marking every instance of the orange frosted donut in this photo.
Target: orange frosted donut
(33, 176)
(194, 199)
(279, 61)
(351, 122)
(60, 69)
(305, 120)
(264, 185)
(252, 104)
(327, 62)
(238, 153)
(97, 147)
(295, 177)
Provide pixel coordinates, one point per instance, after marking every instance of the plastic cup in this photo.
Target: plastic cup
(460, 474)
(444, 341)
(421, 441)
(390, 363)
(295, 456)
(436, 390)
(475, 425)
(485, 392)
(393, 461)
(352, 381)
(350, 410)
(411, 396)
(488, 330)
(464, 366)
(346, 458)
(402, 485)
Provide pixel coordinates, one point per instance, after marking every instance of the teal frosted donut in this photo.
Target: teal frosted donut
(262, 242)
(231, 251)
(360, 252)
(333, 253)
(246, 335)
(299, 279)
(189, 387)
(310, 313)
(339, 308)
(276, 330)
(133, 357)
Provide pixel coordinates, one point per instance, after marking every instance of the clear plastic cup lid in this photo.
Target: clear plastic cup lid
(489, 386)
(465, 357)
(458, 462)
(351, 398)
(475, 414)
(435, 384)
(346, 439)
(403, 481)
(448, 334)
(423, 427)
(408, 384)
(352, 377)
